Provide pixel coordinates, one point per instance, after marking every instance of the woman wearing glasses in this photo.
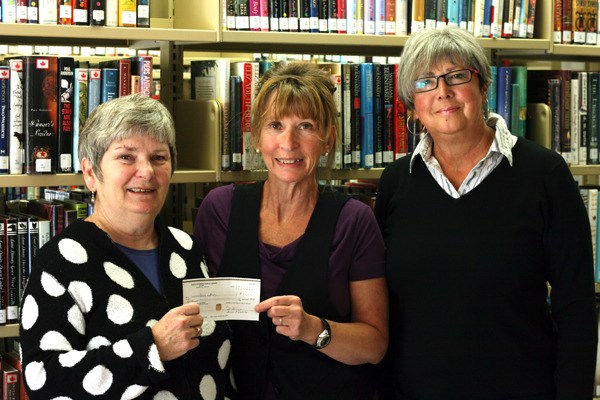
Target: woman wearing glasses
(478, 225)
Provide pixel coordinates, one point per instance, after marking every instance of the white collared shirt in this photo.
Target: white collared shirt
(501, 147)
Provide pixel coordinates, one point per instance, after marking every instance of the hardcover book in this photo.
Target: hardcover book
(81, 11)
(377, 115)
(4, 120)
(11, 267)
(142, 67)
(80, 111)
(48, 12)
(98, 12)
(66, 76)
(123, 65)
(16, 140)
(112, 12)
(235, 127)
(110, 84)
(366, 115)
(127, 13)
(94, 88)
(33, 12)
(143, 14)
(9, 11)
(65, 12)
(40, 114)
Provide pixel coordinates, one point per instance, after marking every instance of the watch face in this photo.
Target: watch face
(323, 339)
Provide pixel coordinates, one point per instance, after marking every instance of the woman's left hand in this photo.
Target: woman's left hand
(290, 319)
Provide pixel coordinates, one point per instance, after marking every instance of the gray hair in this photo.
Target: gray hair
(429, 47)
(121, 118)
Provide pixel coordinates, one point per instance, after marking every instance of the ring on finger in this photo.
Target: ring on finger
(198, 330)
(281, 321)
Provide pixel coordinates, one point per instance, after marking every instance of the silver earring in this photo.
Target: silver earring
(93, 198)
(257, 150)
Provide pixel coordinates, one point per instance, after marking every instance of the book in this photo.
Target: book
(579, 21)
(9, 11)
(98, 12)
(4, 120)
(112, 12)
(11, 267)
(293, 16)
(591, 26)
(531, 19)
(342, 26)
(366, 115)
(66, 78)
(135, 84)
(304, 15)
(127, 13)
(32, 12)
(229, 13)
(48, 12)
(143, 14)
(21, 11)
(567, 26)
(3, 288)
(274, 15)
(40, 114)
(80, 111)
(210, 80)
(387, 71)
(79, 207)
(573, 155)
(417, 16)
(13, 358)
(255, 13)
(110, 84)
(142, 67)
(242, 15)
(557, 22)
(123, 65)
(441, 18)
(377, 115)
(235, 127)
(355, 115)
(492, 97)
(10, 382)
(346, 115)
(351, 27)
(94, 88)
(45, 209)
(504, 91)
(81, 12)
(519, 107)
(248, 72)
(16, 141)
(508, 18)
(593, 118)
(368, 17)
(65, 12)
(335, 73)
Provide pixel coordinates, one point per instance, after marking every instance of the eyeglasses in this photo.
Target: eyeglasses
(453, 78)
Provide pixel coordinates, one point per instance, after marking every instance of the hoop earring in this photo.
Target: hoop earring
(408, 124)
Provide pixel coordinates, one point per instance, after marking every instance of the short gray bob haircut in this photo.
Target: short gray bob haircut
(429, 47)
(122, 118)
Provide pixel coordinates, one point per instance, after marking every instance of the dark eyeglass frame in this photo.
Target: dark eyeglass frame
(437, 79)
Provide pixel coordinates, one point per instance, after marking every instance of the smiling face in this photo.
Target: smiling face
(136, 172)
(450, 109)
(291, 146)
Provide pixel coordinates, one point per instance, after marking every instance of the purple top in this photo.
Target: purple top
(357, 251)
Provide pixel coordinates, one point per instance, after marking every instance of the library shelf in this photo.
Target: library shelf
(9, 330)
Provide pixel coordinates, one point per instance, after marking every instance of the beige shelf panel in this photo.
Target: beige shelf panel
(9, 330)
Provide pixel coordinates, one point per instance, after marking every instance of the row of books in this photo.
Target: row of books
(25, 226)
(126, 13)
(45, 100)
(372, 121)
(574, 101)
(507, 96)
(484, 18)
(576, 22)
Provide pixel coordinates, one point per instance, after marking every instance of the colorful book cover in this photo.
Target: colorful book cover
(22, 12)
(531, 19)
(493, 90)
(81, 10)
(4, 121)
(355, 117)
(350, 17)
(66, 76)
(387, 71)
(519, 76)
(346, 115)
(143, 14)
(142, 67)
(254, 11)
(593, 118)
(504, 92)
(418, 16)
(11, 263)
(377, 115)
(98, 12)
(402, 19)
(40, 114)
(80, 111)
(341, 16)
(242, 15)
(94, 88)
(123, 65)
(314, 15)
(366, 115)
(3, 289)
(235, 129)
(33, 16)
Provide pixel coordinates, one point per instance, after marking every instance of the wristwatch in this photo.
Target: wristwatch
(324, 337)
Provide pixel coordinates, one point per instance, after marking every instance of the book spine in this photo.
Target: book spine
(504, 92)
(3, 288)
(4, 121)
(33, 16)
(592, 118)
(355, 115)
(127, 13)
(332, 16)
(507, 18)
(377, 115)
(579, 20)
(66, 71)
(229, 12)
(9, 11)
(591, 36)
(390, 17)
(12, 271)
(81, 12)
(402, 17)
(294, 16)
(342, 26)
(235, 98)
(22, 248)
(94, 88)
(523, 20)
(65, 12)
(16, 117)
(124, 66)
(366, 115)
(452, 13)
(567, 25)
(430, 13)
(255, 14)
(418, 16)
(493, 90)
(143, 14)
(22, 12)
(112, 12)
(350, 17)
(274, 14)
(519, 76)
(304, 12)
(441, 19)
(48, 12)
(369, 16)
(98, 12)
(487, 18)
(400, 126)
(323, 16)
(242, 15)
(388, 113)
(80, 111)
(40, 114)
(284, 15)
(573, 156)
(347, 115)
(314, 15)
(110, 84)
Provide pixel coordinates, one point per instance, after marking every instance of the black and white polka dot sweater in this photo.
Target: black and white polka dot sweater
(86, 316)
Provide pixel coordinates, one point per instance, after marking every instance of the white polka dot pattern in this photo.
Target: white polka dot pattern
(208, 327)
(76, 319)
(71, 358)
(151, 323)
(97, 342)
(98, 380)
(29, 312)
(208, 388)
(123, 349)
(61, 398)
(72, 251)
(118, 275)
(154, 358)
(51, 285)
(177, 266)
(35, 375)
(119, 310)
(82, 294)
(133, 391)
(164, 395)
(204, 269)
(184, 239)
(54, 341)
(223, 355)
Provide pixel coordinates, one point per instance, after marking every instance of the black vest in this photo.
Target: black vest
(259, 354)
